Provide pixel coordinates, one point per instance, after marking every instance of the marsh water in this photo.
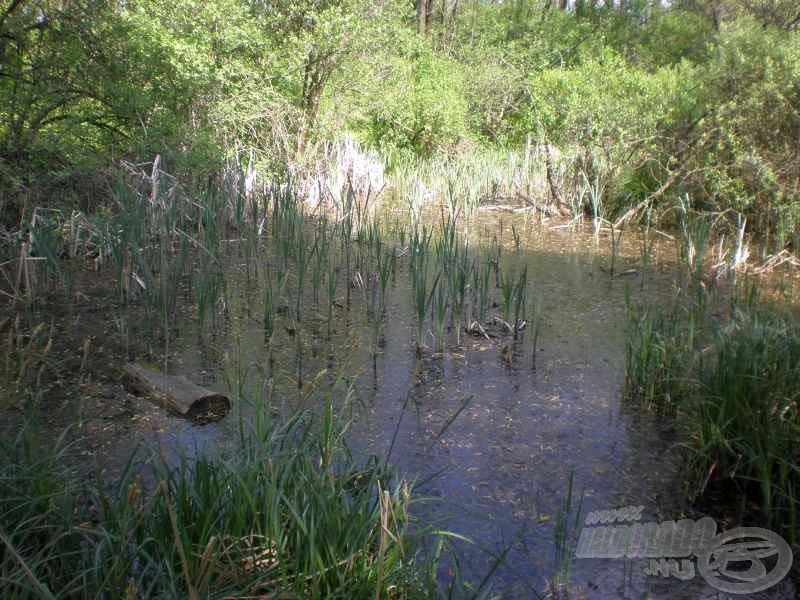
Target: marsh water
(490, 437)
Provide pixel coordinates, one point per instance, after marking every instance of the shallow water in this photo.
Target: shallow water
(491, 443)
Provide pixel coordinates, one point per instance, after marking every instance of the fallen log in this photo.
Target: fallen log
(177, 394)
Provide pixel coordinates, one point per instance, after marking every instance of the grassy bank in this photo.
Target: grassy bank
(727, 373)
(284, 513)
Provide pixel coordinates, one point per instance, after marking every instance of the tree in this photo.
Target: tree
(317, 36)
(423, 10)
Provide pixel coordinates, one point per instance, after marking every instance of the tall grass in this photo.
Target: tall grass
(565, 534)
(646, 246)
(732, 382)
(286, 514)
(422, 290)
(459, 282)
(595, 190)
(692, 243)
(320, 254)
(440, 296)
(269, 303)
(333, 273)
(465, 180)
(513, 290)
(208, 280)
(536, 327)
(26, 354)
(481, 272)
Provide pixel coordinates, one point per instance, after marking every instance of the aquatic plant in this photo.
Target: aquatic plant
(594, 189)
(422, 295)
(481, 272)
(45, 247)
(519, 297)
(515, 235)
(616, 240)
(208, 284)
(419, 245)
(731, 383)
(386, 266)
(459, 281)
(440, 298)
(565, 536)
(269, 303)
(286, 512)
(333, 272)
(646, 246)
(695, 232)
(320, 254)
(303, 257)
(536, 325)
(26, 352)
(513, 293)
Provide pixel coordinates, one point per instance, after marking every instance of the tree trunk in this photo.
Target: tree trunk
(450, 9)
(177, 394)
(422, 16)
(317, 71)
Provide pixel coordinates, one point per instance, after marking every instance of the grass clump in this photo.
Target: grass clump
(732, 382)
(287, 513)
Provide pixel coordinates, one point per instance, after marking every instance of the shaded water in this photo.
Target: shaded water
(491, 443)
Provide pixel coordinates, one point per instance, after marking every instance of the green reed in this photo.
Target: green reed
(422, 295)
(495, 255)
(303, 257)
(447, 243)
(285, 511)
(536, 326)
(646, 247)
(459, 281)
(730, 383)
(346, 245)
(440, 301)
(320, 254)
(565, 537)
(419, 244)
(46, 246)
(376, 321)
(616, 241)
(251, 234)
(333, 272)
(269, 303)
(208, 284)
(695, 233)
(516, 237)
(481, 274)
(508, 286)
(519, 297)
(386, 266)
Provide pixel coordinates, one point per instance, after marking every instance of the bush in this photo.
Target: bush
(419, 108)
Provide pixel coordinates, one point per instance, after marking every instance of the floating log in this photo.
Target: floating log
(177, 394)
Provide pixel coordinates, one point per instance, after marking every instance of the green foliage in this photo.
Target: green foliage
(420, 105)
(671, 36)
(697, 97)
(750, 85)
